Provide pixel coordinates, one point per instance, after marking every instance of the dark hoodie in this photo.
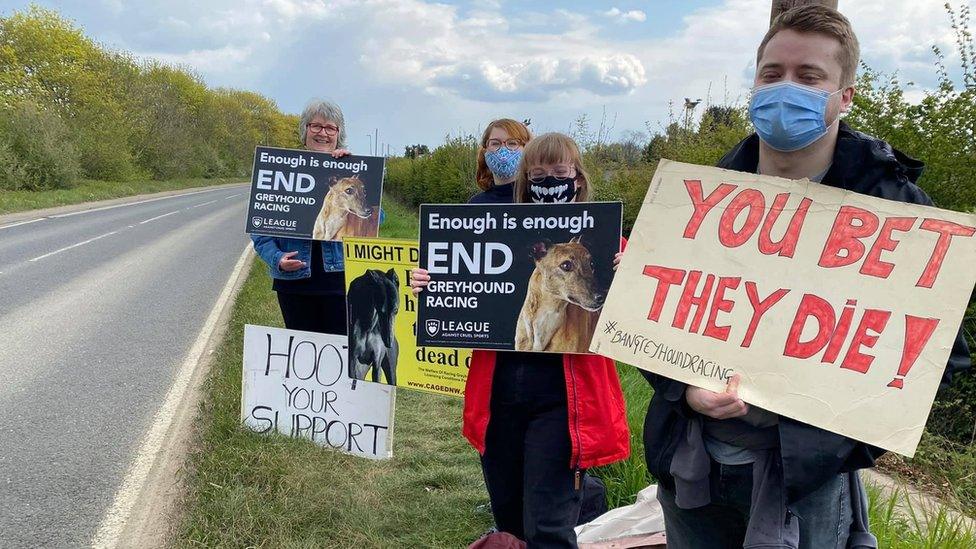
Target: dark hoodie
(811, 456)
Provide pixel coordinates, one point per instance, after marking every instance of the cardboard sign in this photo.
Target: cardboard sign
(313, 195)
(528, 277)
(838, 309)
(295, 383)
(383, 321)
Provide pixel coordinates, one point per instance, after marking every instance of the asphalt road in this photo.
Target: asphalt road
(98, 309)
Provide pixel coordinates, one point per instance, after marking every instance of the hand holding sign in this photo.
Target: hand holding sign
(724, 405)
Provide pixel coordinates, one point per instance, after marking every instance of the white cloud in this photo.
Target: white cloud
(621, 16)
(420, 68)
(432, 47)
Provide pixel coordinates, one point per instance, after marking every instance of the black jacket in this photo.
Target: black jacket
(811, 456)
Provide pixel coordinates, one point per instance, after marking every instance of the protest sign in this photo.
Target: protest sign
(313, 195)
(383, 321)
(528, 277)
(295, 383)
(838, 309)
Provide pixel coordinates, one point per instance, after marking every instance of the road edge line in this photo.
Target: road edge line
(114, 521)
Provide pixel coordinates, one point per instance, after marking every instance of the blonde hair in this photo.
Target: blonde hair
(515, 129)
(551, 148)
(822, 20)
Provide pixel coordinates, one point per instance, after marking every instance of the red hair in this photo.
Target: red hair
(515, 129)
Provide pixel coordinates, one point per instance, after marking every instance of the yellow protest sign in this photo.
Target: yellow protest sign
(382, 319)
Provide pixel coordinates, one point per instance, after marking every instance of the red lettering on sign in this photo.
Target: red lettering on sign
(846, 236)
(821, 311)
(665, 279)
(873, 265)
(749, 198)
(720, 304)
(786, 245)
(946, 230)
(917, 333)
(875, 321)
(689, 299)
(759, 308)
(703, 205)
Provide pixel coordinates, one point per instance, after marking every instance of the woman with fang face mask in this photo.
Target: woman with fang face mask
(539, 420)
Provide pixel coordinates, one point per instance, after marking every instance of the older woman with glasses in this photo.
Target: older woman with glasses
(308, 275)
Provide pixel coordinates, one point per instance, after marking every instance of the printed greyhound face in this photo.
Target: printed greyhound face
(349, 195)
(567, 273)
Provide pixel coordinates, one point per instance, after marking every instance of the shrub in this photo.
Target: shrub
(36, 151)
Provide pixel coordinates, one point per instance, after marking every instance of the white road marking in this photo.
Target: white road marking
(233, 196)
(204, 204)
(115, 519)
(132, 203)
(49, 254)
(22, 223)
(158, 217)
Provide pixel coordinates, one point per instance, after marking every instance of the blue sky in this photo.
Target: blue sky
(418, 70)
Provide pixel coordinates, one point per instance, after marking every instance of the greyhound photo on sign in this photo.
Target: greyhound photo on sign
(382, 319)
(523, 277)
(312, 195)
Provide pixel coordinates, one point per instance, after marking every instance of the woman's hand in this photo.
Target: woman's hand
(616, 260)
(418, 280)
(287, 264)
(717, 405)
(339, 153)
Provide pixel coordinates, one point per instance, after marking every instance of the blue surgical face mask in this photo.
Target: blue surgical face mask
(789, 116)
(503, 162)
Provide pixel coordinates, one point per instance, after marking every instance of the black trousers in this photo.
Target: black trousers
(527, 453)
(314, 313)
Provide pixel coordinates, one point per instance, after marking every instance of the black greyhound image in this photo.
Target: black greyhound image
(372, 304)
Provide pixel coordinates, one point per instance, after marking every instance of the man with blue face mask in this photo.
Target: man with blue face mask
(731, 474)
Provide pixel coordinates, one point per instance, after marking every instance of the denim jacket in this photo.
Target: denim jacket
(271, 248)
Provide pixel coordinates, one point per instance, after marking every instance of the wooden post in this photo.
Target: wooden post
(779, 6)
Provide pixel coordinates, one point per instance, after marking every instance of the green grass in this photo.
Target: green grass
(88, 190)
(271, 491)
(900, 525)
(250, 490)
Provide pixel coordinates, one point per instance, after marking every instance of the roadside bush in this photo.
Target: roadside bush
(129, 119)
(36, 152)
(446, 176)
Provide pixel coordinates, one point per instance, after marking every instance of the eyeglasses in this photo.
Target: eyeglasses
(329, 129)
(511, 144)
(560, 171)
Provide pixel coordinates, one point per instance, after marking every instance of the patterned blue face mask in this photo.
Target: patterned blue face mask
(789, 116)
(503, 162)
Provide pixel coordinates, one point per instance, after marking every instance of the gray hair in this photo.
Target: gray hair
(327, 110)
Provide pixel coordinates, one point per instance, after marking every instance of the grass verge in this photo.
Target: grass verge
(249, 490)
(89, 190)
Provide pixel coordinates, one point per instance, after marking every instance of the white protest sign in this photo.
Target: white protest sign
(297, 383)
(838, 309)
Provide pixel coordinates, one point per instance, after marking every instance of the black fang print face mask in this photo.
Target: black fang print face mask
(553, 190)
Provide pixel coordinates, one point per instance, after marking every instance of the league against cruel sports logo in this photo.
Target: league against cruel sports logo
(433, 326)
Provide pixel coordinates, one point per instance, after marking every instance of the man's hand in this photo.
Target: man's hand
(616, 260)
(717, 405)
